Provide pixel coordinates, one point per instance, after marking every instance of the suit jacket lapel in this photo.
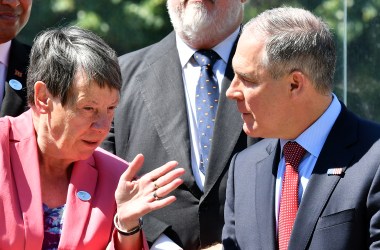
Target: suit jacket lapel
(265, 196)
(335, 153)
(171, 122)
(83, 178)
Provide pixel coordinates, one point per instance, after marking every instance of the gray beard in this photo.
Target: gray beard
(199, 25)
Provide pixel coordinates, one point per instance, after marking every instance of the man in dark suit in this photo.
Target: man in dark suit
(156, 117)
(284, 68)
(14, 57)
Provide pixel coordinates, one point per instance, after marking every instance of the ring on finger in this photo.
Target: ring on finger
(155, 196)
(156, 186)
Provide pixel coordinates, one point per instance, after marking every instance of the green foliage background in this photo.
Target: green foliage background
(130, 25)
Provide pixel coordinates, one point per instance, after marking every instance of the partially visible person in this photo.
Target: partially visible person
(158, 116)
(58, 189)
(14, 57)
(316, 183)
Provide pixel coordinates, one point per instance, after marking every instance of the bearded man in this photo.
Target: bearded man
(158, 117)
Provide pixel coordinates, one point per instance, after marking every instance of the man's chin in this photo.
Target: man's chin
(248, 130)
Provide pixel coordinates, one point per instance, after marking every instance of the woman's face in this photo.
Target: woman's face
(76, 129)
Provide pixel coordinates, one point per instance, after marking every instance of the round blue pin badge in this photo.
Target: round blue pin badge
(16, 85)
(83, 196)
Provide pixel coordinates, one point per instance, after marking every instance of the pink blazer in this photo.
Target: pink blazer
(86, 225)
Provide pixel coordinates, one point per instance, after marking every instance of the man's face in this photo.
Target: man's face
(14, 14)
(262, 101)
(198, 18)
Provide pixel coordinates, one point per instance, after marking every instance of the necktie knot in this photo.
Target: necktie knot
(206, 57)
(293, 153)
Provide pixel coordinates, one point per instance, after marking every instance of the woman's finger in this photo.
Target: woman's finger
(158, 172)
(166, 189)
(158, 199)
(168, 177)
(133, 168)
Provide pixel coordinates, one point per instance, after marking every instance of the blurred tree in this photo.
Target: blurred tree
(130, 25)
(125, 25)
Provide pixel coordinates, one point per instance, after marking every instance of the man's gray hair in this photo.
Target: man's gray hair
(296, 40)
(59, 54)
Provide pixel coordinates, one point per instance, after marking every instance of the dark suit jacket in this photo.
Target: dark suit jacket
(336, 211)
(152, 119)
(14, 101)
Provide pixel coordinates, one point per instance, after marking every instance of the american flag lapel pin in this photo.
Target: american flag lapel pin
(335, 171)
(18, 73)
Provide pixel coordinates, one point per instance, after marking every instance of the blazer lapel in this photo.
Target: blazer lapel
(171, 122)
(265, 196)
(335, 154)
(83, 178)
(25, 165)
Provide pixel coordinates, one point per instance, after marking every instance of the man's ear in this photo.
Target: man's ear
(297, 81)
(41, 97)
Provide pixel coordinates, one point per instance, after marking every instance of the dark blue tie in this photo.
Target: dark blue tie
(206, 101)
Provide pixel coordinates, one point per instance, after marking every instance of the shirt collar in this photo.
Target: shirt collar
(313, 138)
(223, 49)
(4, 52)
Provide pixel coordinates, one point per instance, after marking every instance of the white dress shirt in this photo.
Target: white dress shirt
(190, 72)
(4, 56)
(312, 140)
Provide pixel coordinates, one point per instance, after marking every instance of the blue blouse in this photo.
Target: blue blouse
(53, 220)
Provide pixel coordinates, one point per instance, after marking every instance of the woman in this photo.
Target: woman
(58, 189)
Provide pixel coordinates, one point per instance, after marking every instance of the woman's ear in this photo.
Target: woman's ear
(41, 97)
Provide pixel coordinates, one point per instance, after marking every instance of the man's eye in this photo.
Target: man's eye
(89, 108)
(250, 81)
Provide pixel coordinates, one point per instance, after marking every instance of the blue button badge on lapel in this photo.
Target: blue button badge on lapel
(335, 171)
(83, 196)
(16, 85)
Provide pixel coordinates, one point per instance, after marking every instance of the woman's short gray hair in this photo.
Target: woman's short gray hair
(59, 54)
(296, 40)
